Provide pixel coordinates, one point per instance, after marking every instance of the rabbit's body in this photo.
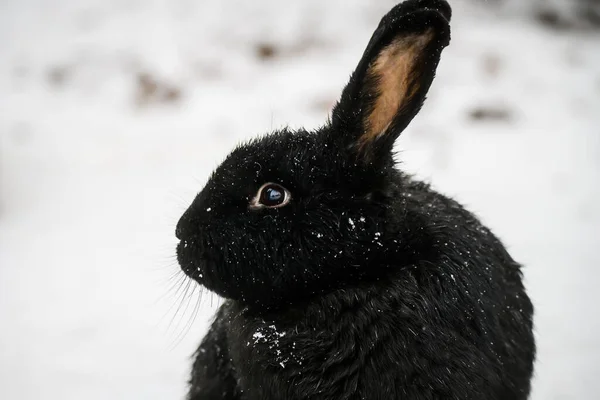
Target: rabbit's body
(345, 278)
(437, 328)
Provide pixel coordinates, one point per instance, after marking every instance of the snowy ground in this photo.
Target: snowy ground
(113, 113)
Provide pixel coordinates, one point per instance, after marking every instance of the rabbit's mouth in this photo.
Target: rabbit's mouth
(192, 260)
(199, 266)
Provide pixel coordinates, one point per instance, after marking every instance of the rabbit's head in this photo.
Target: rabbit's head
(295, 213)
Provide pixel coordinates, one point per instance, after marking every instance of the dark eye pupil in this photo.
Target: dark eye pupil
(272, 196)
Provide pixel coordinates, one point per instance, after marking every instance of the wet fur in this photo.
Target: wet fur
(368, 284)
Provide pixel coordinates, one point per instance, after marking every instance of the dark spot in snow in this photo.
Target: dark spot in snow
(147, 87)
(151, 90)
(172, 94)
(579, 15)
(58, 75)
(266, 51)
(304, 44)
(551, 19)
(490, 113)
(592, 13)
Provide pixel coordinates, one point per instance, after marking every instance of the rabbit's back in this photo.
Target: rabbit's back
(478, 285)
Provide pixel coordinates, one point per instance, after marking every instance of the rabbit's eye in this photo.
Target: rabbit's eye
(270, 195)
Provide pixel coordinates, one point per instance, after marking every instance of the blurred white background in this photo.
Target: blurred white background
(114, 112)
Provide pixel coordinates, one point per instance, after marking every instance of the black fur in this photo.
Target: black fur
(368, 284)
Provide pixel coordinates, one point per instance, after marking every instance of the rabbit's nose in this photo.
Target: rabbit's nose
(179, 230)
(186, 227)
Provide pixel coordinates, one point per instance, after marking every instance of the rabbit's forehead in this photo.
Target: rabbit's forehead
(282, 155)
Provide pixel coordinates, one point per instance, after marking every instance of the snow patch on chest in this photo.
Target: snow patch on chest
(269, 335)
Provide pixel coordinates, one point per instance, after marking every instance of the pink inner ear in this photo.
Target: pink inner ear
(396, 77)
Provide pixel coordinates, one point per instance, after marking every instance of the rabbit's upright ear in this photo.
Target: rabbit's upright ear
(390, 83)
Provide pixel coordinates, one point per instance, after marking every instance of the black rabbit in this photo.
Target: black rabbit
(344, 278)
